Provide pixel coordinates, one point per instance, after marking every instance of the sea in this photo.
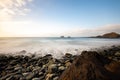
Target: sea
(56, 46)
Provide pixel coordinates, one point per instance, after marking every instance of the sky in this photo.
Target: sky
(49, 18)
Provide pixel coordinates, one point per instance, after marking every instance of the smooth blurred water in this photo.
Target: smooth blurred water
(53, 45)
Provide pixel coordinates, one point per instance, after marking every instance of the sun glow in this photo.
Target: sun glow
(27, 29)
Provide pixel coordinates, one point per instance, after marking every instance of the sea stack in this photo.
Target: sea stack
(62, 36)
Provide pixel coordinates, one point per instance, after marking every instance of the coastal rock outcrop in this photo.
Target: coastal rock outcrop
(92, 66)
(110, 35)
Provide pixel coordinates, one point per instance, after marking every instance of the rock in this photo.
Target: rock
(10, 68)
(68, 55)
(49, 76)
(36, 79)
(29, 68)
(29, 75)
(48, 56)
(22, 78)
(10, 78)
(13, 62)
(23, 52)
(18, 68)
(51, 61)
(67, 64)
(41, 74)
(7, 76)
(25, 74)
(52, 68)
(44, 68)
(55, 78)
(36, 68)
(17, 77)
(61, 68)
(92, 66)
(117, 54)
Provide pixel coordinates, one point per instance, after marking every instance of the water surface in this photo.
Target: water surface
(53, 45)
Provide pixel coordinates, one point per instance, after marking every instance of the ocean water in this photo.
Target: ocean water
(53, 45)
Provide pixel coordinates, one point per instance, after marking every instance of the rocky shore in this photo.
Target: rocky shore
(90, 65)
(33, 68)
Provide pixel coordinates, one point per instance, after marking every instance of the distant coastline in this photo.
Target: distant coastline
(112, 35)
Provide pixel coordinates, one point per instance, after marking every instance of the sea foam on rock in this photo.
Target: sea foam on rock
(90, 65)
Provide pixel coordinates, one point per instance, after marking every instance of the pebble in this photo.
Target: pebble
(61, 68)
(31, 68)
(36, 79)
(17, 68)
(30, 76)
(55, 78)
(52, 68)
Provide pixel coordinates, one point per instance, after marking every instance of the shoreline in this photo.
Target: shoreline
(22, 67)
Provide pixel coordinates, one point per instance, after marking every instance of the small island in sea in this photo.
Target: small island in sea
(108, 35)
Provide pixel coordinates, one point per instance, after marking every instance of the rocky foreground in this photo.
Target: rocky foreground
(33, 67)
(90, 65)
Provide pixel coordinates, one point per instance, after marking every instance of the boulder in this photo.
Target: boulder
(92, 66)
(52, 68)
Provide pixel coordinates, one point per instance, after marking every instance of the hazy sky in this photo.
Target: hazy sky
(58, 17)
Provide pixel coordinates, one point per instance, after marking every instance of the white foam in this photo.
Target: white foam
(56, 47)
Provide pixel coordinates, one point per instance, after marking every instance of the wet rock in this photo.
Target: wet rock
(22, 78)
(49, 76)
(52, 68)
(36, 68)
(13, 62)
(7, 76)
(17, 77)
(29, 76)
(18, 68)
(117, 54)
(61, 68)
(25, 74)
(68, 55)
(67, 64)
(10, 78)
(36, 79)
(44, 68)
(92, 66)
(10, 68)
(23, 52)
(55, 78)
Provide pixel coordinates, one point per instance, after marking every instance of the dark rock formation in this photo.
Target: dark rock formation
(62, 37)
(110, 35)
(92, 66)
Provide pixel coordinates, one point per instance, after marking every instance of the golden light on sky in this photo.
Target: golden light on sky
(42, 18)
(29, 29)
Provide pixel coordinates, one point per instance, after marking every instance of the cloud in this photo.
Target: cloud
(10, 8)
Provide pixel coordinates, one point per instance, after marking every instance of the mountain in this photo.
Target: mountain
(110, 35)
